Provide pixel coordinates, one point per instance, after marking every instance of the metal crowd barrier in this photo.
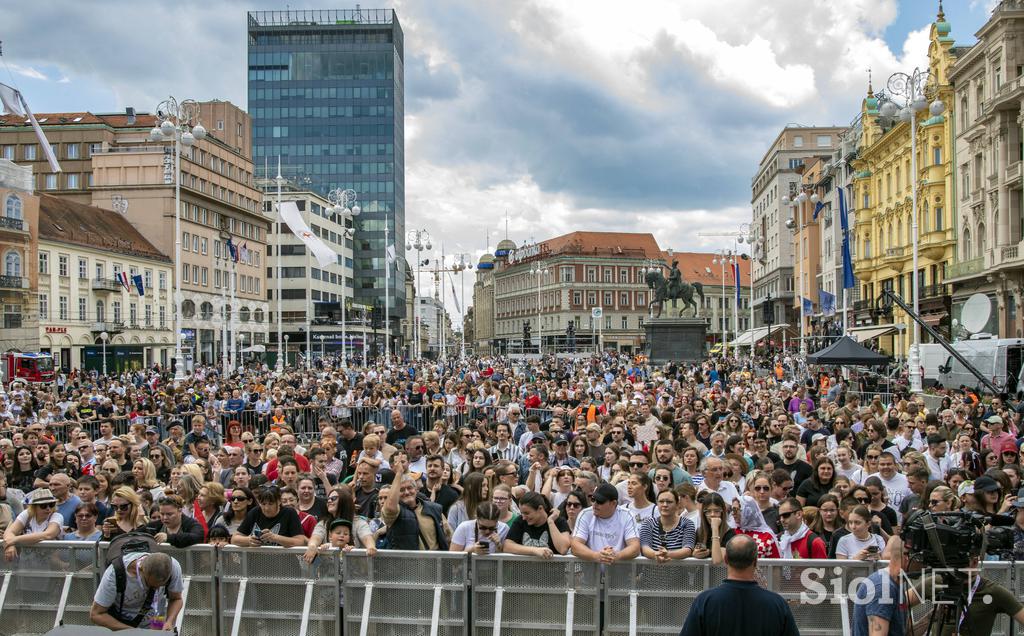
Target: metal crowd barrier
(235, 591)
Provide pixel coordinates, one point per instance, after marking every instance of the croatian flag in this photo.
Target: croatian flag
(125, 281)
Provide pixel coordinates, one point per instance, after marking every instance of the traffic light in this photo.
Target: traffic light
(768, 310)
(526, 331)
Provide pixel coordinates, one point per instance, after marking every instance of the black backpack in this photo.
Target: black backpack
(118, 547)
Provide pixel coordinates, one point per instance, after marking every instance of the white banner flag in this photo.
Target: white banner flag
(290, 214)
(13, 102)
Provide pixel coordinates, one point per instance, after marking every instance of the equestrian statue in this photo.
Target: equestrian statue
(673, 288)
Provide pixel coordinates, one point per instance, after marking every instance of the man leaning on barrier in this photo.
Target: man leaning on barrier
(147, 576)
(739, 605)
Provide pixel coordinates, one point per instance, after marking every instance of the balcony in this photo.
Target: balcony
(933, 291)
(977, 197)
(933, 244)
(895, 258)
(109, 327)
(964, 269)
(1013, 171)
(105, 284)
(9, 223)
(13, 282)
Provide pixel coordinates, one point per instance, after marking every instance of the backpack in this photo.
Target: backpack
(118, 547)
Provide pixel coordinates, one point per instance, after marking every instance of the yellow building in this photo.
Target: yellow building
(883, 204)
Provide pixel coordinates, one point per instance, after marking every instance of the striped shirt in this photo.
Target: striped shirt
(684, 535)
(512, 452)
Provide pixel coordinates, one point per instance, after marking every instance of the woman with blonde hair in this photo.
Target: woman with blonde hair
(194, 470)
(145, 477)
(188, 489)
(128, 513)
(40, 521)
(209, 506)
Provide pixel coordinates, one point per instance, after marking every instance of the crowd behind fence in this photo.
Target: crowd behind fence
(304, 420)
(232, 591)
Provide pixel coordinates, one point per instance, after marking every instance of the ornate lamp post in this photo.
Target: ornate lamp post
(725, 257)
(418, 240)
(178, 121)
(103, 338)
(796, 224)
(541, 273)
(343, 203)
(906, 95)
(462, 263)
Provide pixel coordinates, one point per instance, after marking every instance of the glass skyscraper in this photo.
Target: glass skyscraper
(326, 94)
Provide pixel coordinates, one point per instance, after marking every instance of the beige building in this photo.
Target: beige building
(19, 229)
(778, 176)
(988, 109)
(82, 251)
(483, 306)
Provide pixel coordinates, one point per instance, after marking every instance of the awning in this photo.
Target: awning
(756, 335)
(863, 334)
(258, 348)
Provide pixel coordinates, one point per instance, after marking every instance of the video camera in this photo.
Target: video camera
(946, 540)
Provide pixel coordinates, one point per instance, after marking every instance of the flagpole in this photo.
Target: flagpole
(281, 353)
(224, 325)
(309, 309)
(231, 323)
(387, 293)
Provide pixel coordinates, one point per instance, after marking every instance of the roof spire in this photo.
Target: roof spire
(941, 16)
(871, 90)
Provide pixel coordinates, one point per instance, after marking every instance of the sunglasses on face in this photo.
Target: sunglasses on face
(573, 504)
(787, 515)
(862, 499)
(244, 499)
(46, 506)
(934, 502)
(762, 488)
(122, 507)
(637, 464)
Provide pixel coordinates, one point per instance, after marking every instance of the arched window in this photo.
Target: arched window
(188, 309)
(967, 244)
(101, 312)
(12, 209)
(963, 113)
(206, 311)
(899, 230)
(12, 264)
(981, 239)
(924, 216)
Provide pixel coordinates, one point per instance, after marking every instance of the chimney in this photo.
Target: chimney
(130, 111)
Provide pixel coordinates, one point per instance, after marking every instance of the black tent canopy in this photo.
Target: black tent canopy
(846, 351)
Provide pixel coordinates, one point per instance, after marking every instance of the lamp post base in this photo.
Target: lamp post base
(914, 370)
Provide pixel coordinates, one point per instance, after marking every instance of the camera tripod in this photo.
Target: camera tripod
(952, 607)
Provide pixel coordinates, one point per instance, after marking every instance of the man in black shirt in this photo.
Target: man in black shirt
(364, 489)
(270, 524)
(434, 488)
(798, 469)
(764, 613)
(351, 442)
(400, 431)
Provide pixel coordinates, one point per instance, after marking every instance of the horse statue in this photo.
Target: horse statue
(673, 288)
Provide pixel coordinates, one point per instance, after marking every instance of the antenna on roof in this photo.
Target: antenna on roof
(506, 222)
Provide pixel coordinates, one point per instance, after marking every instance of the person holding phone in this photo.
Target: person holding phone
(483, 535)
(863, 543)
(270, 523)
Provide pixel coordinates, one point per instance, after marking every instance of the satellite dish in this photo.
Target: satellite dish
(975, 313)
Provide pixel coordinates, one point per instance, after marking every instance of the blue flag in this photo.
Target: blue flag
(808, 306)
(137, 279)
(849, 281)
(827, 302)
(817, 209)
(736, 275)
(232, 250)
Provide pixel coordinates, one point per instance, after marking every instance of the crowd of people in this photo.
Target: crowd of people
(604, 458)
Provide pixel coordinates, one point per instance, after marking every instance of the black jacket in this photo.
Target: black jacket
(190, 532)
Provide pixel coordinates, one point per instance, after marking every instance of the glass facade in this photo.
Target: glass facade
(326, 94)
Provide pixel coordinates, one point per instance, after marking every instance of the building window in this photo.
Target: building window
(798, 141)
(624, 299)
(82, 311)
(577, 298)
(185, 241)
(71, 150)
(609, 299)
(591, 299)
(195, 243)
(50, 182)
(938, 218)
(937, 155)
(623, 275)
(7, 153)
(162, 277)
(12, 209)
(607, 278)
(133, 314)
(824, 141)
(12, 316)
(641, 297)
(568, 274)
(44, 307)
(184, 273)
(100, 270)
(100, 311)
(62, 308)
(203, 245)
(591, 274)
(149, 315)
(163, 316)
(30, 152)
(83, 269)
(205, 276)
(147, 280)
(12, 264)
(116, 305)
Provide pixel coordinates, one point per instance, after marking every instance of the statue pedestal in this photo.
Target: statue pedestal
(676, 340)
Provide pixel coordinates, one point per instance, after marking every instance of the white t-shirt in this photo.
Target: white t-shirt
(849, 545)
(897, 488)
(465, 534)
(613, 531)
(134, 591)
(854, 473)
(640, 514)
(31, 526)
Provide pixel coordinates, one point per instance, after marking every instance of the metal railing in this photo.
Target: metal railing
(11, 223)
(11, 282)
(230, 591)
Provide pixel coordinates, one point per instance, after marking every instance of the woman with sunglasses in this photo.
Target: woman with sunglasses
(572, 507)
(39, 521)
(160, 465)
(86, 516)
(239, 505)
(128, 514)
(942, 499)
(482, 535)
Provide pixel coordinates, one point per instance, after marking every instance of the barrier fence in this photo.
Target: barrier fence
(234, 591)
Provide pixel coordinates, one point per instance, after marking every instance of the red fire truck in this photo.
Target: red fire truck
(33, 368)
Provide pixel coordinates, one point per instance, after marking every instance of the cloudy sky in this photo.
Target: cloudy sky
(566, 114)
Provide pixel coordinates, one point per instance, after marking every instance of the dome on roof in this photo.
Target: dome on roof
(487, 258)
(504, 247)
(943, 28)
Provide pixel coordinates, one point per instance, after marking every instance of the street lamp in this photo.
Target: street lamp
(286, 348)
(906, 96)
(746, 233)
(103, 337)
(418, 240)
(462, 263)
(725, 257)
(796, 224)
(540, 272)
(343, 203)
(241, 345)
(178, 121)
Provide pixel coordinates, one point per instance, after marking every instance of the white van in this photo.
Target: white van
(933, 356)
(998, 359)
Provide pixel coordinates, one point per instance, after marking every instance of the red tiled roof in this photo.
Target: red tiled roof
(638, 245)
(114, 120)
(692, 266)
(79, 224)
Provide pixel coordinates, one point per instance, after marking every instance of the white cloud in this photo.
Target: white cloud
(27, 71)
(64, 80)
